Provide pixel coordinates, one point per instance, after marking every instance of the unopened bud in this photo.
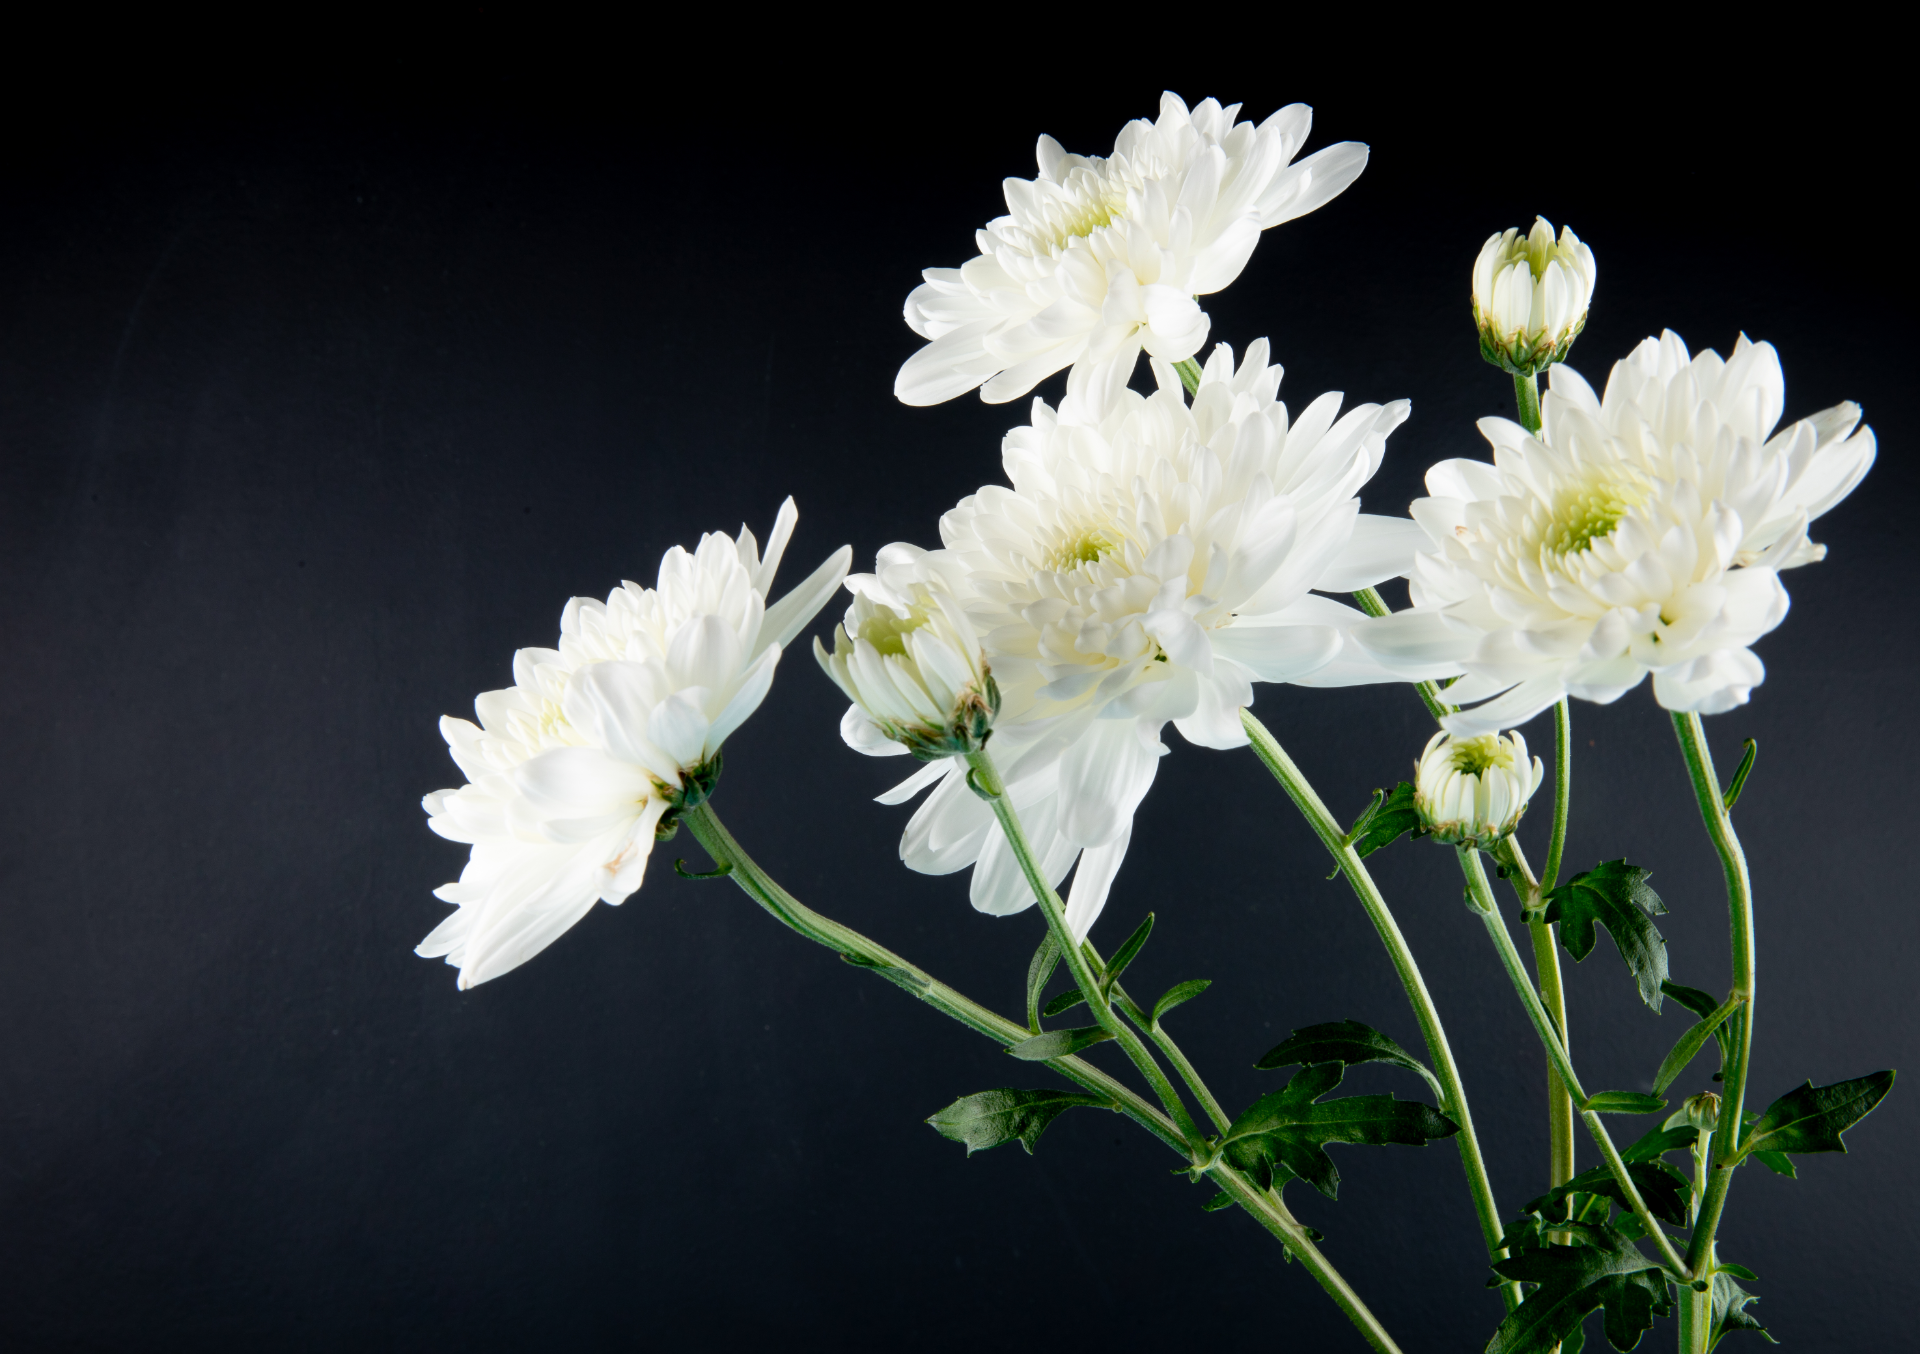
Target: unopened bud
(1530, 297)
(1472, 791)
(1703, 1111)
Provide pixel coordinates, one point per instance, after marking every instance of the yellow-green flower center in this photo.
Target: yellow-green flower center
(1589, 513)
(888, 632)
(1085, 547)
(1475, 756)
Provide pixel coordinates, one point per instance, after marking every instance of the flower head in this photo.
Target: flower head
(908, 659)
(1640, 533)
(1701, 1111)
(1099, 258)
(1151, 560)
(1530, 296)
(1472, 791)
(572, 769)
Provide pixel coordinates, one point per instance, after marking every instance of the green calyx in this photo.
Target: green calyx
(965, 733)
(1524, 354)
(696, 788)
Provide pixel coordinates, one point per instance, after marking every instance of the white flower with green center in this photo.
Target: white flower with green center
(1472, 791)
(1099, 258)
(1640, 533)
(1530, 296)
(1151, 561)
(908, 659)
(572, 768)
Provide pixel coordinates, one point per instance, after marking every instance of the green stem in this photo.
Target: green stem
(1374, 604)
(1481, 896)
(1171, 1052)
(1553, 995)
(1189, 375)
(1562, 793)
(1333, 837)
(1733, 862)
(1526, 394)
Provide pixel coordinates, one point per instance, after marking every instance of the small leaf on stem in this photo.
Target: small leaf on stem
(1038, 971)
(989, 1118)
(1623, 1102)
(1382, 826)
(1179, 995)
(1344, 1041)
(1127, 951)
(1690, 1044)
(1811, 1118)
(1283, 1134)
(1057, 1043)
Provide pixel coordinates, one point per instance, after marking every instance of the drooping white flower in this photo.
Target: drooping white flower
(571, 768)
(1472, 791)
(1099, 258)
(1151, 561)
(908, 659)
(1530, 296)
(1640, 533)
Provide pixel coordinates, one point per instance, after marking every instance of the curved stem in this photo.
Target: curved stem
(1171, 1052)
(1333, 837)
(1733, 862)
(1481, 896)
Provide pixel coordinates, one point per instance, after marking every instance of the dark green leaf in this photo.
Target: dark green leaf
(1664, 1189)
(1732, 794)
(1811, 1118)
(1661, 1141)
(1128, 949)
(1608, 1272)
(1624, 1102)
(1057, 1043)
(900, 977)
(1777, 1162)
(1384, 826)
(1575, 1342)
(1730, 1308)
(1704, 1004)
(1740, 1272)
(1179, 995)
(1038, 971)
(1218, 1202)
(1344, 1041)
(1282, 1134)
(1615, 895)
(1063, 1003)
(989, 1118)
(1690, 1044)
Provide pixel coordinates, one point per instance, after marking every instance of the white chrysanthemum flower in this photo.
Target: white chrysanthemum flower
(1472, 791)
(572, 767)
(908, 659)
(1099, 258)
(1641, 533)
(1530, 296)
(1151, 561)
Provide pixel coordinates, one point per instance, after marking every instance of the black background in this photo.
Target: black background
(319, 397)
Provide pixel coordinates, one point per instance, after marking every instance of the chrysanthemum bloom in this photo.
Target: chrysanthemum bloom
(1150, 563)
(571, 769)
(1641, 533)
(908, 659)
(1530, 297)
(1099, 258)
(1472, 791)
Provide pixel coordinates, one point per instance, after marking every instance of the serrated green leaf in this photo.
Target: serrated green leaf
(1057, 1043)
(1624, 1102)
(1039, 969)
(1811, 1118)
(1665, 1190)
(989, 1118)
(1129, 948)
(1689, 1044)
(1607, 1272)
(1730, 1308)
(1344, 1041)
(1283, 1134)
(1218, 1202)
(1063, 1003)
(1660, 1141)
(1179, 995)
(1615, 895)
(1394, 816)
(1777, 1162)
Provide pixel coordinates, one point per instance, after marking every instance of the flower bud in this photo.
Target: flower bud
(1703, 1111)
(1472, 791)
(909, 660)
(1530, 297)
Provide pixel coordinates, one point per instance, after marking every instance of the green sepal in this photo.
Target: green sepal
(1039, 969)
(1730, 1307)
(1607, 1271)
(1623, 1102)
(1125, 955)
(1178, 995)
(1344, 1041)
(1615, 895)
(1218, 1202)
(1058, 1043)
(1382, 825)
(1063, 1003)
(1283, 1134)
(900, 977)
(1704, 1005)
(989, 1118)
(1664, 1189)
(1689, 1044)
(1811, 1118)
(1777, 1162)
